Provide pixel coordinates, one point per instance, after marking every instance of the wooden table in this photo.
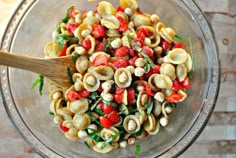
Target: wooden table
(218, 140)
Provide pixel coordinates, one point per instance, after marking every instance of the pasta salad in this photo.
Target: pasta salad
(132, 71)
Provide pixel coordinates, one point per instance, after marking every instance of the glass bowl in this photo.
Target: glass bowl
(30, 28)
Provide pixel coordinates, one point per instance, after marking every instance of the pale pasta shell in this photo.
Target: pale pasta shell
(55, 105)
(159, 26)
(72, 134)
(113, 33)
(142, 116)
(168, 34)
(78, 31)
(71, 49)
(156, 109)
(52, 49)
(184, 94)
(56, 94)
(189, 63)
(150, 124)
(105, 8)
(181, 72)
(98, 148)
(125, 98)
(163, 81)
(156, 129)
(79, 106)
(103, 72)
(82, 64)
(168, 69)
(68, 124)
(176, 56)
(81, 121)
(90, 20)
(123, 77)
(91, 83)
(135, 121)
(129, 4)
(143, 99)
(94, 55)
(110, 22)
(107, 133)
(141, 20)
(152, 83)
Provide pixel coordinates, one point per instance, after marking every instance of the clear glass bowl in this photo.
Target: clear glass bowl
(30, 28)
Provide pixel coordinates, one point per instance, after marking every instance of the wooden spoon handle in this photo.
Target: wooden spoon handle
(24, 62)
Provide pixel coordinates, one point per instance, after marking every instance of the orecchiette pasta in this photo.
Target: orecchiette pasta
(130, 74)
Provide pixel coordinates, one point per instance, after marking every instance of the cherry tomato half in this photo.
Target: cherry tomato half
(100, 59)
(120, 62)
(174, 98)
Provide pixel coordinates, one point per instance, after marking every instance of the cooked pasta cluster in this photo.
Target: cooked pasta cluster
(131, 72)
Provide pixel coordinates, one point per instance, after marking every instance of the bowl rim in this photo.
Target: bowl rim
(176, 149)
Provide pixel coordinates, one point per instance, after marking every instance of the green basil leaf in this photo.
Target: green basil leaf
(139, 49)
(51, 113)
(150, 107)
(74, 56)
(93, 96)
(41, 83)
(59, 38)
(180, 38)
(110, 139)
(99, 111)
(110, 103)
(139, 133)
(70, 75)
(58, 28)
(36, 82)
(137, 150)
(106, 45)
(65, 20)
(95, 137)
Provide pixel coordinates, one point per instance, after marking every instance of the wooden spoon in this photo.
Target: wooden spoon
(55, 69)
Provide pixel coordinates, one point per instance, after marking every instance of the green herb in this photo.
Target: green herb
(94, 119)
(51, 113)
(39, 81)
(93, 96)
(191, 52)
(70, 75)
(59, 39)
(93, 106)
(137, 150)
(110, 139)
(99, 111)
(146, 66)
(95, 137)
(150, 107)
(94, 131)
(110, 103)
(138, 9)
(139, 133)
(180, 38)
(74, 56)
(58, 28)
(87, 144)
(139, 49)
(65, 20)
(106, 45)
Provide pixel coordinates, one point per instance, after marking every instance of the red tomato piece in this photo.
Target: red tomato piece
(114, 117)
(148, 89)
(156, 70)
(86, 44)
(107, 108)
(72, 12)
(148, 51)
(99, 47)
(179, 45)
(185, 83)
(123, 24)
(122, 51)
(73, 95)
(120, 62)
(176, 85)
(132, 60)
(100, 60)
(119, 9)
(105, 122)
(118, 98)
(165, 45)
(71, 27)
(131, 95)
(98, 31)
(119, 90)
(84, 93)
(64, 128)
(142, 33)
(174, 98)
(63, 52)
